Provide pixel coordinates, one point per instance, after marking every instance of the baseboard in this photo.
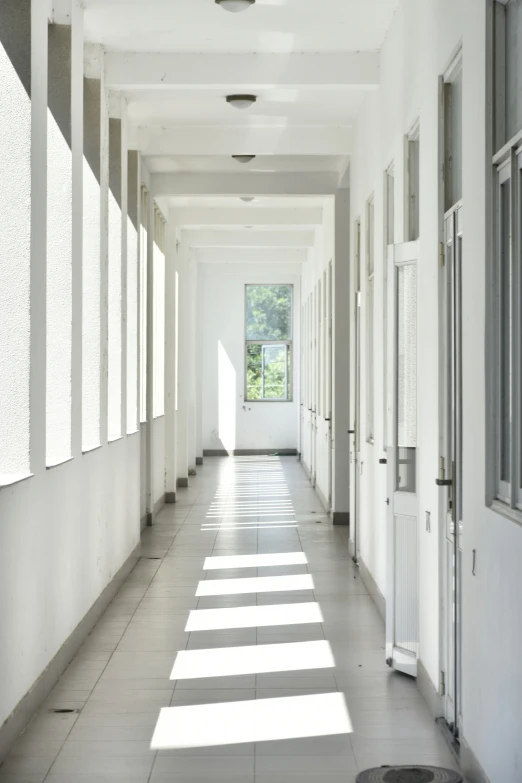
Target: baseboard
(370, 584)
(324, 501)
(199, 460)
(429, 691)
(470, 765)
(170, 497)
(250, 453)
(182, 482)
(33, 699)
(341, 517)
(159, 504)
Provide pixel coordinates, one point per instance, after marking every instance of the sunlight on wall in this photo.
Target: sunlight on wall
(226, 400)
(15, 259)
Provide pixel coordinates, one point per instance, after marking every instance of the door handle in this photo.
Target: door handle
(444, 482)
(383, 461)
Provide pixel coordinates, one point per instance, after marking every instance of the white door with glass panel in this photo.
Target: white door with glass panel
(450, 470)
(402, 621)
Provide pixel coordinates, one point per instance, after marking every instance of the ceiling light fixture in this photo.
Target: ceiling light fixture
(243, 158)
(247, 199)
(235, 6)
(241, 101)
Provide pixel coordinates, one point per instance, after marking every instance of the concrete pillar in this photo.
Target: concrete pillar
(183, 374)
(123, 238)
(115, 276)
(104, 253)
(133, 315)
(170, 362)
(59, 247)
(199, 374)
(91, 309)
(192, 364)
(341, 361)
(150, 364)
(77, 223)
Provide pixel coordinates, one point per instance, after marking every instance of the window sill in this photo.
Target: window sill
(9, 479)
(88, 449)
(61, 462)
(513, 514)
(133, 432)
(255, 402)
(159, 416)
(114, 440)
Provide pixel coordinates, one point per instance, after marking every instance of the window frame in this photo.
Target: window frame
(289, 343)
(504, 497)
(370, 320)
(508, 169)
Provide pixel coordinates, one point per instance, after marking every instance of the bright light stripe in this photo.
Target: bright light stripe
(257, 526)
(268, 514)
(254, 561)
(256, 584)
(258, 659)
(253, 616)
(259, 720)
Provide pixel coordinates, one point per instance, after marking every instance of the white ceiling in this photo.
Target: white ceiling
(269, 26)
(309, 62)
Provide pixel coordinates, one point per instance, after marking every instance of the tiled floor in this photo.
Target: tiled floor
(120, 680)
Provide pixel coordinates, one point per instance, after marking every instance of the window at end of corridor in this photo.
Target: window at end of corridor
(268, 364)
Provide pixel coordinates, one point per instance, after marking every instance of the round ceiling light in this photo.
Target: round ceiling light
(243, 158)
(247, 199)
(241, 101)
(235, 6)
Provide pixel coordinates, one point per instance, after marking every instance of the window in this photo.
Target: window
(413, 184)
(158, 328)
(389, 240)
(505, 347)
(268, 343)
(370, 308)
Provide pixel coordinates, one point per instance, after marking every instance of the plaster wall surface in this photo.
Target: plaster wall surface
(229, 422)
(15, 233)
(65, 533)
(421, 43)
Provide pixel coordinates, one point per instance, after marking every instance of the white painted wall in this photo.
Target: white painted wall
(419, 47)
(252, 425)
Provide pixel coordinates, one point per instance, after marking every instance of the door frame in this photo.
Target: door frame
(400, 504)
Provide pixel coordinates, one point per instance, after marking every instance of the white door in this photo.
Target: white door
(450, 474)
(357, 430)
(402, 614)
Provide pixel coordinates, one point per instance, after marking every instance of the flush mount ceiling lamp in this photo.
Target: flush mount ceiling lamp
(235, 6)
(241, 101)
(243, 158)
(247, 199)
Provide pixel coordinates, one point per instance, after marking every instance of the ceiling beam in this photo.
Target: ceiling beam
(135, 71)
(247, 238)
(245, 140)
(253, 183)
(250, 214)
(252, 255)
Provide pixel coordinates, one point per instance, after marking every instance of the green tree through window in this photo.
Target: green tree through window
(268, 342)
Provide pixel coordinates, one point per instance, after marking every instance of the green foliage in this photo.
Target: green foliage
(269, 312)
(268, 319)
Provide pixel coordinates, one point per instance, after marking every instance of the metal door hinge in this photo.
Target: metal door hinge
(442, 685)
(442, 253)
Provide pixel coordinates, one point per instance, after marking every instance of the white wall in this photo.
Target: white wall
(419, 47)
(252, 425)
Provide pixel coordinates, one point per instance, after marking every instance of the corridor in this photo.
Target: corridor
(295, 591)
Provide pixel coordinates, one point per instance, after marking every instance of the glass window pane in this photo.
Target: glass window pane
(505, 333)
(254, 372)
(269, 312)
(390, 208)
(406, 378)
(275, 371)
